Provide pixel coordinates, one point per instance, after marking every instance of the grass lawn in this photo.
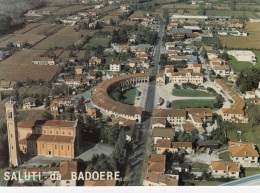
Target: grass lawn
(190, 93)
(225, 156)
(257, 55)
(239, 66)
(129, 96)
(29, 90)
(251, 171)
(194, 103)
(249, 133)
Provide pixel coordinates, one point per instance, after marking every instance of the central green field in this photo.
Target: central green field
(129, 96)
(190, 93)
(194, 103)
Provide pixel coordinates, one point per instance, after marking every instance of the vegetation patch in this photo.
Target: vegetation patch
(239, 66)
(194, 103)
(190, 93)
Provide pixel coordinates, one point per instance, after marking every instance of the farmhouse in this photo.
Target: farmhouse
(8, 85)
(94, 61)
(44, 61)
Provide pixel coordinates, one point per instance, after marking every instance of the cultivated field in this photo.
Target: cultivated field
(235, 14)
(56, 41)
(27, 28)
(41, 29)
(24, 72)
(109, 17)
(252, 41)
(15, 38)
(109, 29)
(130, 23)
(70, 9)
(23, 57)
(102, 41)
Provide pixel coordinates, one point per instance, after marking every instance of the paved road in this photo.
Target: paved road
(137, 163)
(247, 181)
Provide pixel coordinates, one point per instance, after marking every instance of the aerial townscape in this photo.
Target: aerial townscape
(129, 92)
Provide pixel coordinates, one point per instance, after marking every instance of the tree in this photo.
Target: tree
(4, 146)
(166, 16)
(253, 113)
(119, 153)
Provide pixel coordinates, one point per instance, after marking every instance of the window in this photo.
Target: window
(57, 132)
(68, 148)
(44, 131)
(42, 146)
(50, 132)
(55, 146)
(69, 133)
(61, 147)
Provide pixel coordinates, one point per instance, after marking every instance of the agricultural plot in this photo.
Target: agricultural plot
(136, 14)
(252, 41)
(23, 57)
(24, 72)
(235, 14)
(129, 23)
(15, 38)
(73, 31)
(42, 29)
(70, 9)
(27, 28)
(109, 29)
(56, 41)
(109, 17)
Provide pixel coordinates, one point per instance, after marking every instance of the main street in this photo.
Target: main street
(138, 162)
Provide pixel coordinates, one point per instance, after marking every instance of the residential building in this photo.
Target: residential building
(163, 145)
(94, 61)
(8, 85)
(244, 153)
(173, 116)
(234, 115)
(163, 133)
(115, 66)
(66, 169)
(221, 169)
(186, 146)
(44, 61)
(29, 103)
(154, 179)
(160, 80)
(156, 164)
(158, 123)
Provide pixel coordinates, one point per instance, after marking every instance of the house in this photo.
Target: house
(205, 114)
(110, 74)
(156, 164)
(64, 102)
(154, 179)
(163, 133)
(186, 146)
(94, 61)
(44, 61)
(99, 6)
(181, 167)
(158, 123)
(66, 169)
(223, 71)
(160, 80)
(195, 67)
(115, 66)
(29, 103)
(8, 85)
(79, 70)
(234, 115)
(173, 116)
(92, 113)
(124, 7)
(250, 95)
(163, 145)
(169, 69)
(244, 153)
(221, 169)
(123, 122)
(169, 45)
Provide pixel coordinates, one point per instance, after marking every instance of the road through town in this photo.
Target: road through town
(138, 162)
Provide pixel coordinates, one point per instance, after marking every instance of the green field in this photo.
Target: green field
(32, 90)
(225, 156)
(98, 41)
(239, 66)
(190, 93)
(257, 55)
(249, 133)
(251, 171)
(129, 96)
(194, 103)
